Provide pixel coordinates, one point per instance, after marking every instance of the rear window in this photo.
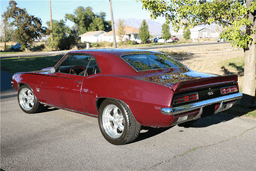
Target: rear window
(145, 62)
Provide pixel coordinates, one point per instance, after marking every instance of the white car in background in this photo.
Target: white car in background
(221, 40)
(163, 41)
(160, 41)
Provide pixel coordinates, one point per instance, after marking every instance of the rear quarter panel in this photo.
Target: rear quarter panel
(145, 99)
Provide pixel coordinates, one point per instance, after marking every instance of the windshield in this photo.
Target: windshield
(145, 62)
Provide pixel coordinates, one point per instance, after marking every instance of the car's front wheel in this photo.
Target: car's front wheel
(117, 123)
(28, 101)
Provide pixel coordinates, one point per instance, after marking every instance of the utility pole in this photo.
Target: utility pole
(51, 20)
(112, 22)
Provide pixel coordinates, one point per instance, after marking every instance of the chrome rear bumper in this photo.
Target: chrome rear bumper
(200, 105)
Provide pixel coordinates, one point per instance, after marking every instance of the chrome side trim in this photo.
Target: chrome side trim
(199, 105)
(71, 110)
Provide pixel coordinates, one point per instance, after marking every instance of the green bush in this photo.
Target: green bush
(94, 45)
(38, 48)
(130, 42)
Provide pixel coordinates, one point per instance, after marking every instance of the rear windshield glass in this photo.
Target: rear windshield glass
(144, 62)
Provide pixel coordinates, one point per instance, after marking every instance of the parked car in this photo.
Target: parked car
(175, 39)
(138, 40)
(126, 89)
(164, 41)
(169, 41)
(16, 47)
(156, 39)
(160, 41)
(221, 40)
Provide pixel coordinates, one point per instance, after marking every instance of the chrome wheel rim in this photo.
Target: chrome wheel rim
(113, 121)
(26, 99)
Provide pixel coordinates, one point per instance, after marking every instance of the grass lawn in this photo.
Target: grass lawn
(6, 53)
(24, 64)
(236, 66)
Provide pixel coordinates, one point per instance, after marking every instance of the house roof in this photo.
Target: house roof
(200, 28)
(92, 33)
(127, 29)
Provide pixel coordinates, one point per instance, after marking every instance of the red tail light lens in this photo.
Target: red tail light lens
(186, 98)
(227, 90)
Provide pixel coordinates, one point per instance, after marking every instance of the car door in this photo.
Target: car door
(88, 93)
(63, 88)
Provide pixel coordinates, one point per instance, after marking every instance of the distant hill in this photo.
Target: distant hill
(155, 28)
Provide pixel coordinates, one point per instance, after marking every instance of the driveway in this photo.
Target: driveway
(62, 140)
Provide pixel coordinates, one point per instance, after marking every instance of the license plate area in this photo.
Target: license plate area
(182, 118)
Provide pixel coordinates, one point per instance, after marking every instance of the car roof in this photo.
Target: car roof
(110, 61)
(117, 52)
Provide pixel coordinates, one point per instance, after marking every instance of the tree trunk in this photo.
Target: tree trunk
(249, 76)
(249, 65)
(4, 45)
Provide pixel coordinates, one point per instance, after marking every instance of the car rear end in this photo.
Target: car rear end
(199, 98)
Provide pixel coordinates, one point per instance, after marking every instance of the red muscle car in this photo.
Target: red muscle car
(126, 89)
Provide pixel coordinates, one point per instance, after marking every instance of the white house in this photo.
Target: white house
(197, 32)
(178, 34)
(92, 36)
(131, 33)
(202, 32)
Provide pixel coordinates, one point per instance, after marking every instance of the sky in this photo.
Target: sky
(122, 9)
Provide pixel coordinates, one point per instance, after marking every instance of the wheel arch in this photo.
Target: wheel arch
(21, 84)
(100, 100)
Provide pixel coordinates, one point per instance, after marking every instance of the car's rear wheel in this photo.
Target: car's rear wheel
(117, 123)
(28, 101)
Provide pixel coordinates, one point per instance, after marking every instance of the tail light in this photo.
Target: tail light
(186, 98)
(227, 90)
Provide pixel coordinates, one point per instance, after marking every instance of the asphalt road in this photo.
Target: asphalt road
(60, 140)
(63, 52)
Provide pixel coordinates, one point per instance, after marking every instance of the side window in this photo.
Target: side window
(75, 64)
(139, 62)
(144, 62)
(93, 67)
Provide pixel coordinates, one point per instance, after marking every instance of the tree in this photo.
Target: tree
(120, 28)
(5, 33)
(86, 20)
(27, 27)
(144, 32)
(166, 32)
(230, 14)
(187, 34)
(63, 35)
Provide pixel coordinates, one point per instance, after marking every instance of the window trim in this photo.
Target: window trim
(57, 66)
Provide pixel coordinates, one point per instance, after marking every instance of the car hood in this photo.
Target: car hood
(172, 77)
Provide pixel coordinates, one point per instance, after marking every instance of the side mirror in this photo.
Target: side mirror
(52, 70)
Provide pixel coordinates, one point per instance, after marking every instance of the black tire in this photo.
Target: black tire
(113, 113)
(28, 101)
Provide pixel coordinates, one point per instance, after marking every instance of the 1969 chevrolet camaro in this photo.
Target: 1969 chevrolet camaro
(126, 89)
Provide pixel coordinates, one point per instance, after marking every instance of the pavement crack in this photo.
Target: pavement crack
(183, 154)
